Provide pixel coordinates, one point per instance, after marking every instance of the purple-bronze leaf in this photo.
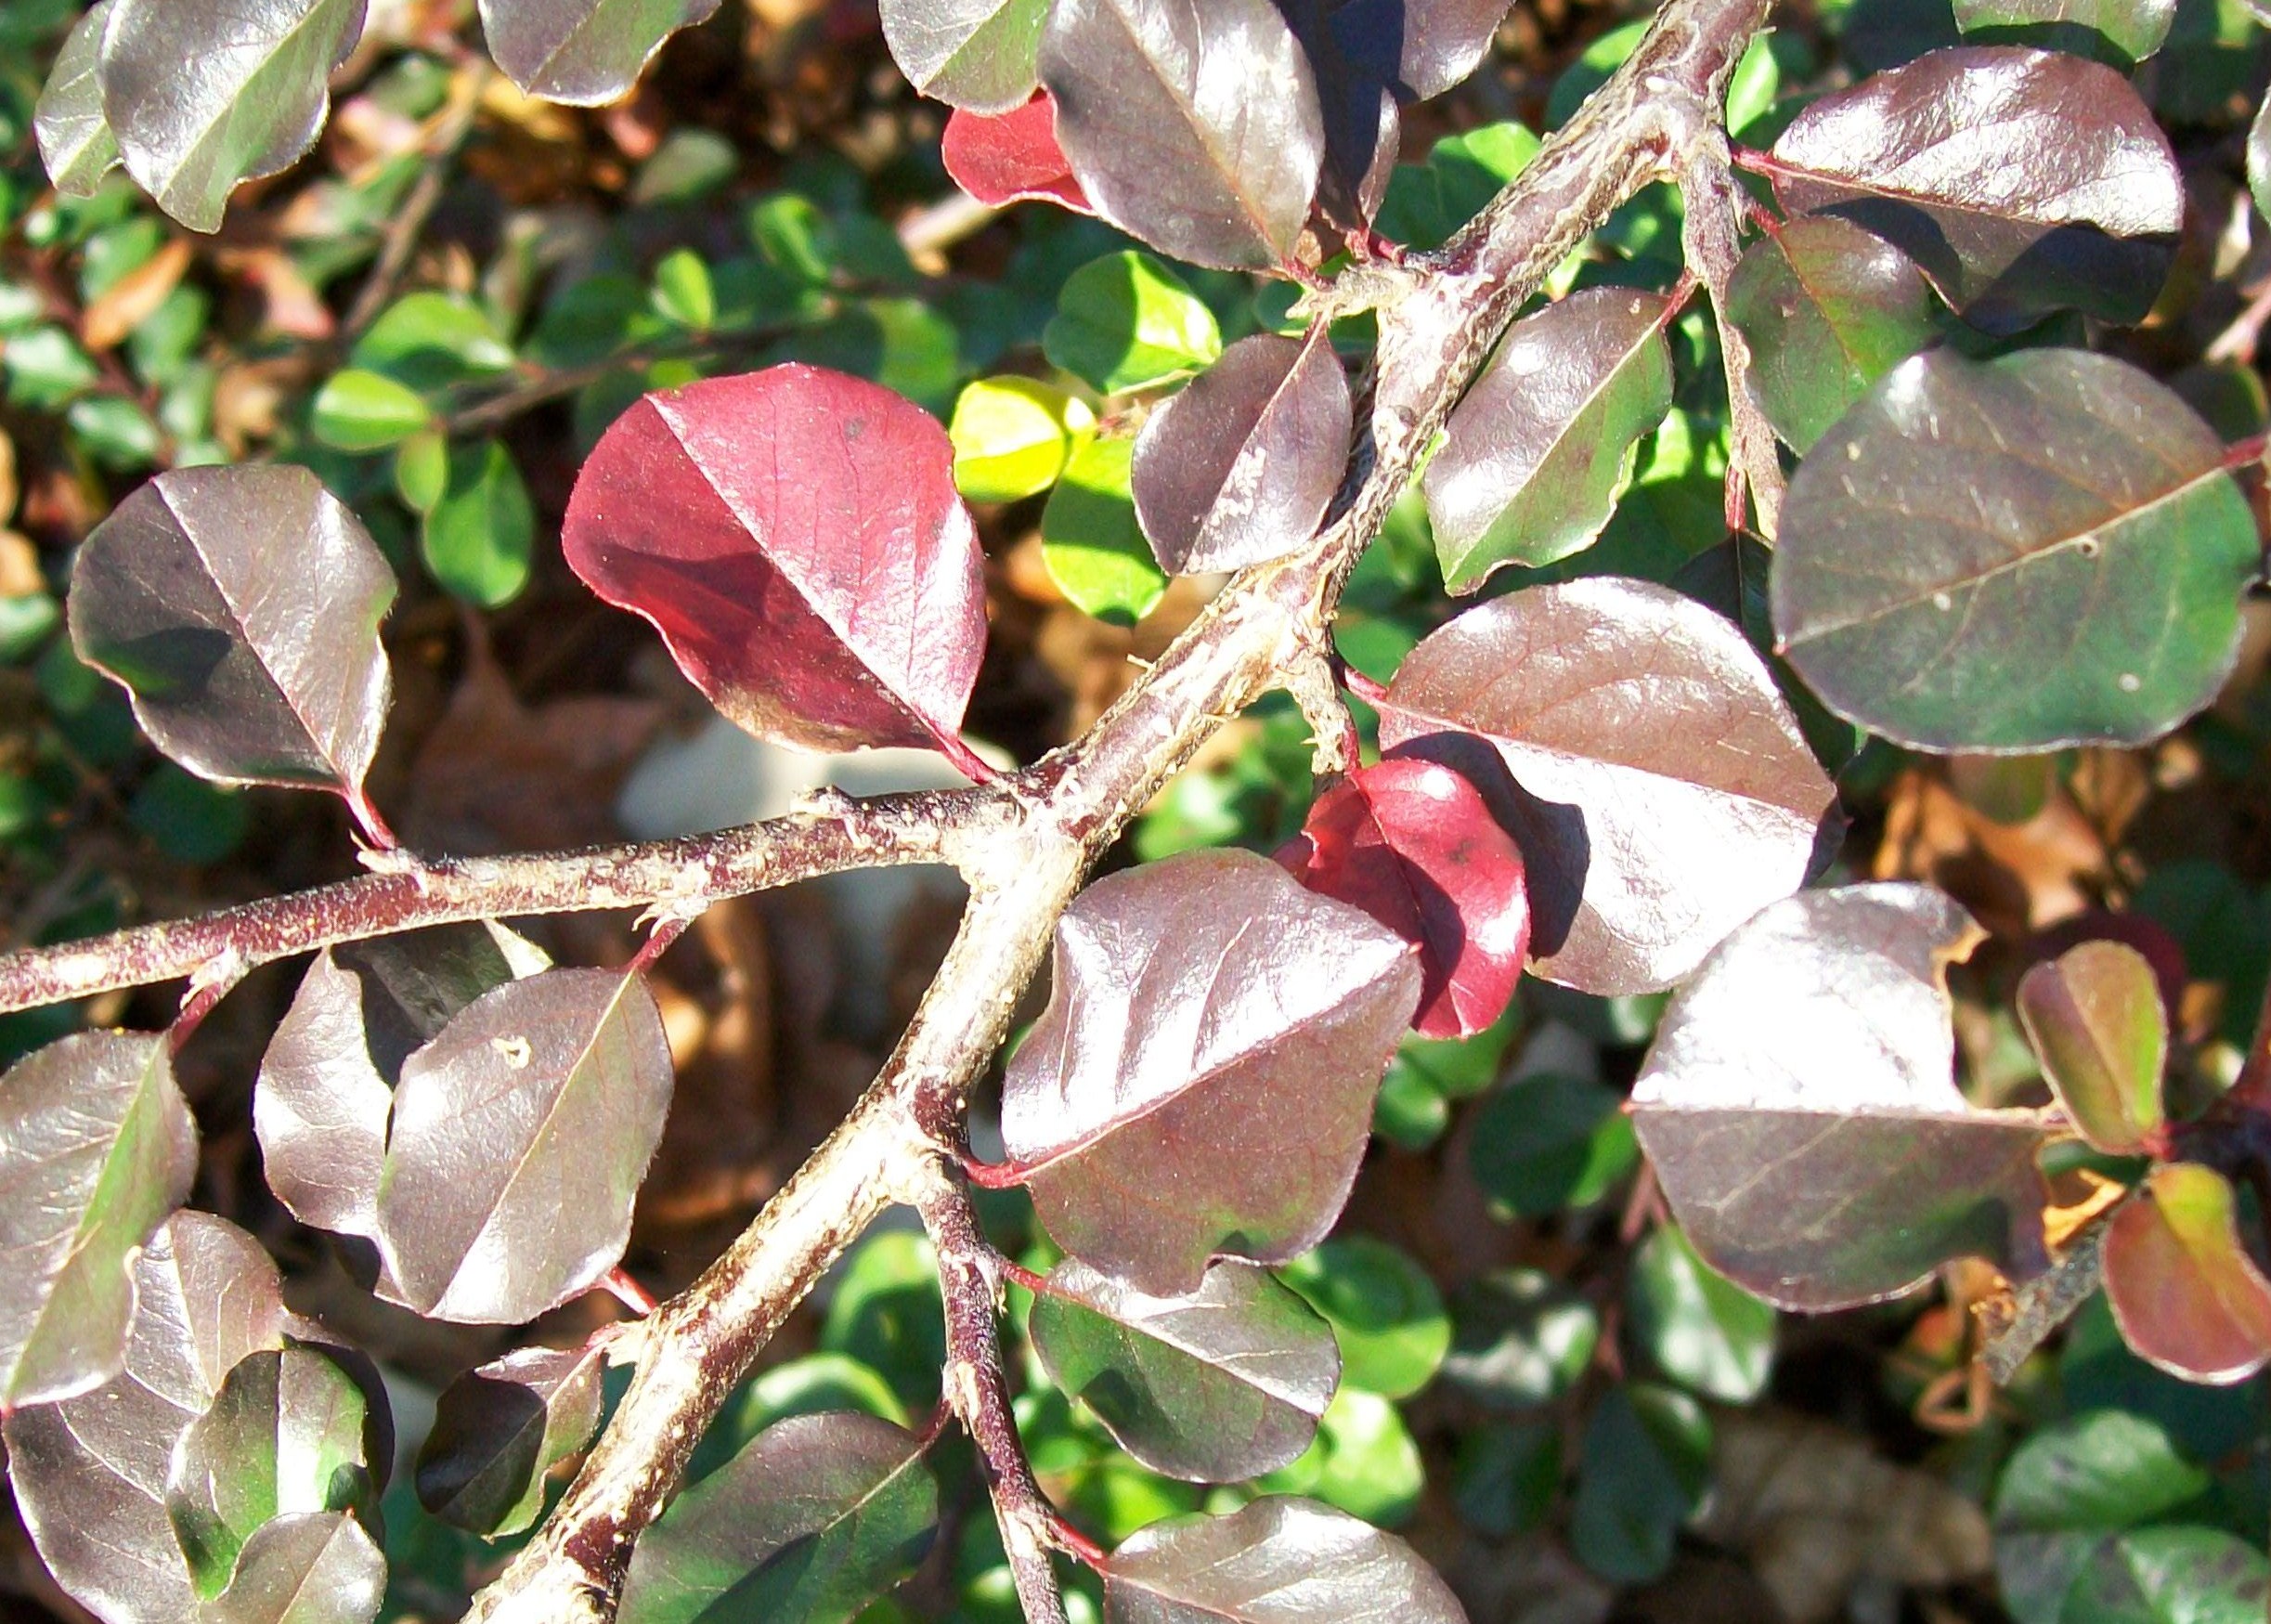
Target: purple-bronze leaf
(1217, 1386)
(498, 1430)
(240, 607)
(1239, 468)
(1001, 158)
(1277, 1561)
(2182, 1289)
(1193, 125)
(313, 1567)
(1662, 791)
(1413, 844)
(2020, 181)
(1201, 1081)
(89, 1474)
(976, 54)
(796, 537)
(2094, 1018)
(520, 1138)
(97, 1148)
(583, 52)
(1801, 1111)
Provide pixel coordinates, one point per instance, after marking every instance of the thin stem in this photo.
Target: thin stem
(667, 931)
(629, 1291)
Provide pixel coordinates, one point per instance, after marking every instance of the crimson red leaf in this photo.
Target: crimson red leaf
(1000, 158)
(796, 537)
(2181, 1284)
(1412, 844)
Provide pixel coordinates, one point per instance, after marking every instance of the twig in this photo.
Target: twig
(455, 123)
(1713, 236)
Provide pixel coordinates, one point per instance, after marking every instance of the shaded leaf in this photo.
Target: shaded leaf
(239, 607)
(97, 1148)
(1384, 1311)
(1222, 1384)
(519, 1137)
(75, 142)
(1520, 1339)
(1091, 543)
(1506, 1476)
(500, 1429)
(2020, 181)
(1411, 843)
(1001, 158)
(1277, 1561)
(1801, 1111)
(2184, 1290)
(1704, 1333)
(1201, 1080)
(1827, 309)
(1239, 468)
(974, 53)
(253, 104)
(2095, 1017)
(583, 52)
(1547, 1142)
(1535, 454)
(1663, 791)
(796, 537)
(1192, 124)
(816, 1518)
(2053, 513)
(2122, 33)
(1013, 437)
(1642, 1471)
(319, 1567)
(89, 1474)
(1352, 53)
(1125, 321)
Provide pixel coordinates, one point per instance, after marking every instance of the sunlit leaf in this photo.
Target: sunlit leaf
(1225, 1383)
(1364, 1461)
(500, 1428)
(75, 142)
(1001, 158)
(1801, 1111)
(1663, 791)
(519, 1139)
(356, 410)
(2015, 555)
(240, 607)
(1277, 1561)
(477, 535)
(2020, 181)
(1013, 437)
(1384, 1311)
(2122, 33)
(973, 54)
(2184, 1290)
(319, 1567)
(1411, 843)
(1192, 124)
(1125, 321)
(1201, 1081)
(584, 52)
(1535, 452)
(2094, 1016)
(796, 537)
(2259, 159)
(257, 96)
(97, 1148)
(1710, 1336)
(1091, 541)
(816, 1518)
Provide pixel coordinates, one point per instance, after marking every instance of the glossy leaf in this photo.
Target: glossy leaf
(1013, 437)
(583, 52)
(1384, 1311)
(2020, 181)
(1709, 1335)
(1225, 1383)
(1665, 793)
(807, 1525)
(89, 1474)
(796, 537)
(254, 103)
(97, 1148)
(1535, 454)
(284, 1436)
(1547, 1142)
(1125, 321)
(500, 1429)
(975, 54)
(2053, 512)
(2095, 1017)
(1520, 1339)
(519, 1139)
(75, 142)
(2259, 159)
(1091, 543)
(1827, 309)
(319, 1567)
(1201, 1080)
(1352, 53)
(1192, 124)
(2122, 33)
(1239, 468)
(1412, 843)
(1004, 157)
(1277, 1561)
(239, 607)
(2184, 1290)
(1642, 1471)
(1801, 1111)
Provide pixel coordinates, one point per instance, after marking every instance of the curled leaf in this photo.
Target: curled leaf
(314, 1567)
(499, 1429)
(2182, 1288)
(2094, 1018)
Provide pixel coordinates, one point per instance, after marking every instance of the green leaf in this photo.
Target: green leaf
(45, 369)
(806, 1387)
(1013, 437)
(2259, 159)
(582, 52)
(886, 1314)
(1091, 543)
(356, 410)
(116, 431)
(1127, 321)
(1520, 1339)
(2015, 556)
(2095, 1017)
(190, 820)
(498, 1431)
(2119, 33)
(478, 536)
(1506, 1474)
(422, 470)
(75, 142)
(1641, 1470)
(1547, 1142)
(683, 292)
(974, 53)
(1277, 1561)
(1364, 1461)
(1702, 1331)
(430, 340)
(1384, 1310)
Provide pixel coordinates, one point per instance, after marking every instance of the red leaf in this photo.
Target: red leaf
(1003, 157)
(2182, 1289)
(1412, 844)
(796, 537)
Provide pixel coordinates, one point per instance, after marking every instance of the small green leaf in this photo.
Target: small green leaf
(2095, 1017)
(1642, 1471)
(1384, 1310)
(421, 468)
(2119, 33)
(1548, 1142)
(683, 292)
(75, 142)
(1705, 1332)
(1506, 1474)
(806, 1387)
(886, 1314)
(2105, 1469)
(1013, 437)
(1520, 1339)
(1091, 543)
(478, 536)
(1127, 321)
(45, 369)
(116, 431)
(430, 340)
(358, 411)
